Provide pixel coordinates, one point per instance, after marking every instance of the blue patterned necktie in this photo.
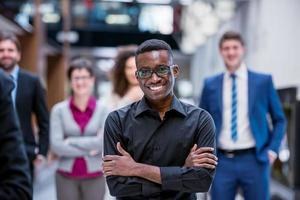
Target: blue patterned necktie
(233, 109)
(13, 93)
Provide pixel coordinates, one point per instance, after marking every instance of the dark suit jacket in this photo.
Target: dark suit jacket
(262, 100)
(30, 98)
(14, 169)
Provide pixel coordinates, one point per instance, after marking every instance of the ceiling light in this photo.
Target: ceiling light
(51, 18)
(125, 1)
(117, 19)
(155, 1)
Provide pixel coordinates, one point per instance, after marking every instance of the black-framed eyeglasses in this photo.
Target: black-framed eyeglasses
(161, 71)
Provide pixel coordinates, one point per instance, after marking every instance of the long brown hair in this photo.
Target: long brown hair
(119, 80)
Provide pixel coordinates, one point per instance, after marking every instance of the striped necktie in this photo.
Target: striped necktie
(233, 109)
(13, 93)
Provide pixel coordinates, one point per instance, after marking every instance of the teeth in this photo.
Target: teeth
(155, 88)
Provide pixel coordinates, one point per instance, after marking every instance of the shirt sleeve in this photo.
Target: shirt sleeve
(42, 115)
(58, 143)
(192, 179)
(277, 116)
(121, 186)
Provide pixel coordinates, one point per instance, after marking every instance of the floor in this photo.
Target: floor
(44, 186)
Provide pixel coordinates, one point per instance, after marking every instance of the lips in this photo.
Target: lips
(6, 60)
(156, 88)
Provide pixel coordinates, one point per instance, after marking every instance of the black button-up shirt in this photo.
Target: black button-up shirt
(164, 143)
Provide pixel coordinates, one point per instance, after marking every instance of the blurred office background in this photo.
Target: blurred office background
(54, 31)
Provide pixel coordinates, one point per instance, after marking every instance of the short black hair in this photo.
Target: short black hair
(153, 45)
(80, 63)
(231, 35)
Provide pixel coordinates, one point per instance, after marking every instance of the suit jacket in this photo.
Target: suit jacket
(14, 169)
(30, 98)
(262, 100)
(67, 141)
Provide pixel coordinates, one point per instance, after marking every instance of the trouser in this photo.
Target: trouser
(243, 171)
(80, 189)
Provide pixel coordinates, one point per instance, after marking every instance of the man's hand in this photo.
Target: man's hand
(272, 157)
(201, 157)
(119, 165)
(39, 160)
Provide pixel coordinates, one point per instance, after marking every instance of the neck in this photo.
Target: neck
(130, 86)
(133, 86)
(233, 68)
(162, 106)
(81, 101)
(8, 70)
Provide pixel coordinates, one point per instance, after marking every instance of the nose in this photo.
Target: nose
(154, 78)
(231, 51)
(5, 53)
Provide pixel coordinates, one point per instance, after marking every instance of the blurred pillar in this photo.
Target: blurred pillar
(58, 63)
(66, 28)
(33, 58)
(55, 79)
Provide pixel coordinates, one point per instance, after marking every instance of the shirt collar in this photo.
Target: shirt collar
(90, 106)
(175, 106)
(14, 72)
(241, 72)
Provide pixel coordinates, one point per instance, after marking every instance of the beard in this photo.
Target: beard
(8, 66)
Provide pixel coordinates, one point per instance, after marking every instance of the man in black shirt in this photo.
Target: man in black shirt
(158, 133)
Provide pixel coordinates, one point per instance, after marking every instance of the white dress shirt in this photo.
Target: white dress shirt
(244, 138)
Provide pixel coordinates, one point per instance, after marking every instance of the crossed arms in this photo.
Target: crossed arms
(124, 165)
(126, 177)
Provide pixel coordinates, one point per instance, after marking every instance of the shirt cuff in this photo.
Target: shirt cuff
(151, 189)
(273, 153)
(171, 178)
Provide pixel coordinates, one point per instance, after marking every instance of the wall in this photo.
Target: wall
(272, 33)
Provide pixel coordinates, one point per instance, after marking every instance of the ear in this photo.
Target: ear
(176, 71)
(244, 50)
(93, 79)
(19, 56)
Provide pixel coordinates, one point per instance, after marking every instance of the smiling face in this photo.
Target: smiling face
(82, 82)
(130, 69)
(232, 52)
(157, 88)
(9, 55)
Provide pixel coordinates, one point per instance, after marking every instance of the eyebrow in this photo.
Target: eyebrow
(158, 65)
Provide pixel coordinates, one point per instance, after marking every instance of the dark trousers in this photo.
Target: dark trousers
(242, 171)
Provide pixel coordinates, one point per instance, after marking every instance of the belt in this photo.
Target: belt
(236, 152)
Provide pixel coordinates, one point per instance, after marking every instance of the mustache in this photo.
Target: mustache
(4, 58)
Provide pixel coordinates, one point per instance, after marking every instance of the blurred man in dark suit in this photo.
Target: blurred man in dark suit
(28, 97)
(14, 169)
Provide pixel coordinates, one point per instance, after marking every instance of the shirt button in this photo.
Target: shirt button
(156, 148)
